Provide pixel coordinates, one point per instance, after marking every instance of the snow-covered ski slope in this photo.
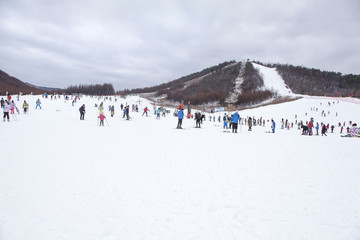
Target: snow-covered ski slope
(273, 80)
(66, 179)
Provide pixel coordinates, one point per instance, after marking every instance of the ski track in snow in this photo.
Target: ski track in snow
(62, 178)
(273, 81)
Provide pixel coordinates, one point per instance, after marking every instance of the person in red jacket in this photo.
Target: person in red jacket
(310, 126)
(145, 111)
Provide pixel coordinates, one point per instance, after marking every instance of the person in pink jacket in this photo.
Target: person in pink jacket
(102, 117)
(12, 107)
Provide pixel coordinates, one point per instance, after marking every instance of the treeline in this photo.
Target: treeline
(97, 89)
(178, 83)
(214, 87)
(312, 81)
(253, 97)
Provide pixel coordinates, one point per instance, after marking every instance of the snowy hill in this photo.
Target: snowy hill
(249, 84)
(62, 178)
(273, 81)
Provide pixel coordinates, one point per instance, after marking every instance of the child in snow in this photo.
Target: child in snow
(25, 106)
(317, 128)
(12, 107)
(101, 107)
(225, 121)
(112, 109)
(102, 117)
(6, 110)
(38, 103)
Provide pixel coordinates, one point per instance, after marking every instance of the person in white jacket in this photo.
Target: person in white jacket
(6, 110)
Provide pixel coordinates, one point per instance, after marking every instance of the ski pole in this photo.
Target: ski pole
(107, 122)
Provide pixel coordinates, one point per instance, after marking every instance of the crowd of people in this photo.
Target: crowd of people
(228, 121)
(9, 107)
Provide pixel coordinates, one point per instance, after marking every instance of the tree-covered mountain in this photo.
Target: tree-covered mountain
(312, 81)
(240, 83)
(12, 85)
(237, 83)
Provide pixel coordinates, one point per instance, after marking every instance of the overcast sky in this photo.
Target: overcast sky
(141, 43)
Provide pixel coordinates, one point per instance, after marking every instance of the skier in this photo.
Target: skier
(82, 112)
(112, 110)
(38, 103)
(164, 112)
(273, 125)
(235, 120)
(180, 118)
(198, 119)
(250, 123)
(317, 129)
(101, 107)
(323, 130)
(102, 117)
(6, 110)
(25, 106)
(12, 107)
(225, 119)
(127, 109)
(310, 126)
(145, 111)
(158, 113)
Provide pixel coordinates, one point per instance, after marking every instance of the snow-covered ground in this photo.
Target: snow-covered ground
(62, 178)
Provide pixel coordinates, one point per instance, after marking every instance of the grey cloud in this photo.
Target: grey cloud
(142, 43)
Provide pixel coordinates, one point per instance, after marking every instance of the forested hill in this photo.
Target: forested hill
(312, 81)
(12, 85)
(240, 83)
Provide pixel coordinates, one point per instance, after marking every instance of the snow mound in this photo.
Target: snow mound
(273, 81)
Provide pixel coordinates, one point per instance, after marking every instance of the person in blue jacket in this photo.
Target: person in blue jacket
(273, 125)
(235, 120)
(180, 117)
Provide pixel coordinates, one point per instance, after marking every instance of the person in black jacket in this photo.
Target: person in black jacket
(323, 130)
(82, 112)
(198, 119)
